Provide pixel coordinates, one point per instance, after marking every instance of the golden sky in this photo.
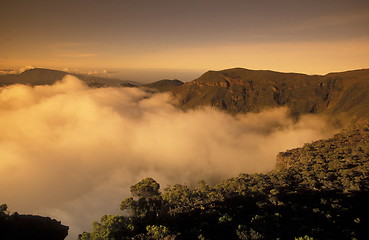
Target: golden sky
(314, 37)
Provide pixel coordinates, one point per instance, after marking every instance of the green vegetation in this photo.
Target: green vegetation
(340, 163)
(319, 191)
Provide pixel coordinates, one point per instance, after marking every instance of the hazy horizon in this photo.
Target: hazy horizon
(142, 76)
(311, 37)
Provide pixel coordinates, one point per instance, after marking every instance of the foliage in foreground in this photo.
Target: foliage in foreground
(319, 191)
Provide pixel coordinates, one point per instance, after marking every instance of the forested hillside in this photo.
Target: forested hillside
(341, 162)
(319, 191)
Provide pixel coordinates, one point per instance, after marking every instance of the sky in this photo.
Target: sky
(313, 37)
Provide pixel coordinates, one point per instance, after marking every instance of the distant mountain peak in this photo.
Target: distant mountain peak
(44, 76)
(164, 85)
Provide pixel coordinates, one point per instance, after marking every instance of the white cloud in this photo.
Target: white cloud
(71, 152)
(23, 69)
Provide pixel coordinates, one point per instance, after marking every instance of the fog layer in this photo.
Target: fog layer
(71, 152)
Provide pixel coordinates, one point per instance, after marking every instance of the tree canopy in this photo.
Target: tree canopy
(319, 191)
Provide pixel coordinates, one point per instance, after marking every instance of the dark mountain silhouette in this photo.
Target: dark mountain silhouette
(40, 76)
(20, 227)
(164, 85)
(238, 90)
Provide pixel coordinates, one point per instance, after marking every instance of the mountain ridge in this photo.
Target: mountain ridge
(240, 90)
(342, 96)
(164, 85)
(43, 76)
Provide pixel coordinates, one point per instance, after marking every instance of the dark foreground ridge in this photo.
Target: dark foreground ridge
(319, 191)
(30, 227)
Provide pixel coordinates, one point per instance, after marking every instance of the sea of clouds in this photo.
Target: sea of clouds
(71, 152)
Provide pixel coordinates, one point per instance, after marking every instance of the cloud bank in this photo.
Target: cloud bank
(71, 152)
(21, 70)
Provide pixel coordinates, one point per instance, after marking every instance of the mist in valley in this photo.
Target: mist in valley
(71, 152)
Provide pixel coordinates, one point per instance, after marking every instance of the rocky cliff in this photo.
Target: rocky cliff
(342, 95)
